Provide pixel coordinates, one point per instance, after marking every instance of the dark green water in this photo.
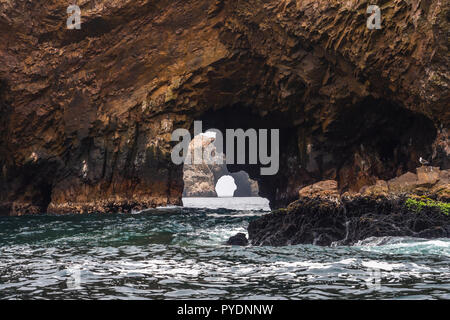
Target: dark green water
(179, 253)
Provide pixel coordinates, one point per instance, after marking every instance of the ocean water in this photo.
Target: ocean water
(179, 253)
(241, 203)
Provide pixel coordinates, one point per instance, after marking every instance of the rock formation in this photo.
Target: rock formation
(239, 239)
(328, 188)
(198, 176)
(246, 187)
(345, 222)
(86, 115)
(414, 205)
(429, 181)
(200, 179)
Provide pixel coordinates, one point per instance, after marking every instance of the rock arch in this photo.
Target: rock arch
(91, 113)
(200, 180)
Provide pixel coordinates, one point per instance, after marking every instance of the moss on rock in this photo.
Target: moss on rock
(417, 204)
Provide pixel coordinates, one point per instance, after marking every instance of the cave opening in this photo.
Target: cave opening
(372, 140)
(376, 139)
(226, 186)
(249, 181)
(206, 181)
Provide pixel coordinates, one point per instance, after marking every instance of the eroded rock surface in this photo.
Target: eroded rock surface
(86, 115)
(429, 181)
(323, 189)
(200, 177)
(326, 222)
(239, 239)
(403, 206)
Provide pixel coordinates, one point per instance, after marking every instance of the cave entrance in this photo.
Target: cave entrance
(212, 185)
(383, 141)
(225, 187)
(273, 130)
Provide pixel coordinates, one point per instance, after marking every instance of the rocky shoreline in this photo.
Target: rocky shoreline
(412, 205)
(346, 221)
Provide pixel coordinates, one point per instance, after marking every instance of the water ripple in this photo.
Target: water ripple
(180, 253)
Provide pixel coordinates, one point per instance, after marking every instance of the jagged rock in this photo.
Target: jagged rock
(429, 181)
(254, 188)
(427, 175)
(323, 189)
(246, 187)
(442, 187)
(198, 176)
(379, 189)
(444, 176)
(239, 239)
(404, 183)
(86, 115)
(326, 222)
(200, 179)
(441, 148)
(195, 187)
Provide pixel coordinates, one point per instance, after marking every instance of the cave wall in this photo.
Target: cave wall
(88, 113)
(245, 187)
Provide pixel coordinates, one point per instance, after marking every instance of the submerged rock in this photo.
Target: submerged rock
(346, 221)
(239, 239)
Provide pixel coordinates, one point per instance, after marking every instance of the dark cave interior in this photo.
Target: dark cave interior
(374, 139)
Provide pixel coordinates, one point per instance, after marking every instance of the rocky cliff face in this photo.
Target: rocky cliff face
(86, 115)
(199, 175)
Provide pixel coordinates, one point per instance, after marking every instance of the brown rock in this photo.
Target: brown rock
(198, 176)
(441, 148)
(86, 115)
(444, 176)
(254, 188)
(427, 175)
(200, 179)
(405, 183)
(442, 188)
(441, 192)
(327, 188)
(350, 194)
(379, 189)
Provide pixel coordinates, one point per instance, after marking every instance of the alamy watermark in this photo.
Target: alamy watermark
(373, 282)
(74, 19)
(180, 153)
(374, 21)
(235, 141)
(74, 280)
